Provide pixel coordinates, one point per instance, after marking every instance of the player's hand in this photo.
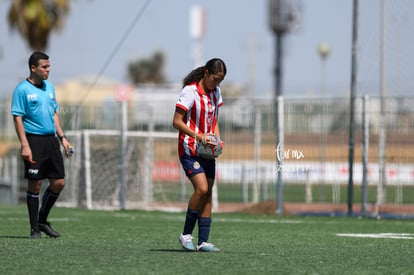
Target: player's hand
(211, 146)
(210, 140)
(206, 140)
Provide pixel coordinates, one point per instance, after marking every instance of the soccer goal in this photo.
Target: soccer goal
(147, 168)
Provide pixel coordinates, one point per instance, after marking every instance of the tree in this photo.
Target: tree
(35, 19)
(147, 70)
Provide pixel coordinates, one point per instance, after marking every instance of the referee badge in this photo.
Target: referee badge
(196, 165)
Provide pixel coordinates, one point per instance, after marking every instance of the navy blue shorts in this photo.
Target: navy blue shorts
(194, 165)
(48, 157)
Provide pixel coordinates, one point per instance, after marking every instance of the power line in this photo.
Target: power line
(112, 55)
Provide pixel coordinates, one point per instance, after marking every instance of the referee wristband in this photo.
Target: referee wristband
(63, 137)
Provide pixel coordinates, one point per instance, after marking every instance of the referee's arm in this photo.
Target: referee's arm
(25, 150)
(60, 133)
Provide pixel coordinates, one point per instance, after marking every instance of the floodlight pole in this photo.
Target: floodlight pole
(279, 24)
(278, 123)
(382, 122)
(123, 166)
(324, 50)
(352, 104)
(122, 94)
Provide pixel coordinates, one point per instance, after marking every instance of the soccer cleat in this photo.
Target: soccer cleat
(207, 247)
(46, 228)
(186, 242)
(34, 234)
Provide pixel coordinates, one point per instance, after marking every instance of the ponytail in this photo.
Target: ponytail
(194, 76)
(213, 66)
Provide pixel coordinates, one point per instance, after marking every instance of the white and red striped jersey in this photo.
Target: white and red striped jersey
(201, 114)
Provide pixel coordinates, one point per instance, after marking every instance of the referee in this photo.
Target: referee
(34, 110)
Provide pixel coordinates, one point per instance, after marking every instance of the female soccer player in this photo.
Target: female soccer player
(195, 117)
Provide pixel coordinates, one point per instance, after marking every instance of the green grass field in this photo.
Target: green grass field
(139, 242)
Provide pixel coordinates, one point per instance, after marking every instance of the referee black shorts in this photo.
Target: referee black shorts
(48, 157)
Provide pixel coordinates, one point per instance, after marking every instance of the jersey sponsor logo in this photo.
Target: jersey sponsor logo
(33, 171)
(31, 97)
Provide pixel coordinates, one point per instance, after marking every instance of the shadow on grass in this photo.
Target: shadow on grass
(171, 250)
(14, 237)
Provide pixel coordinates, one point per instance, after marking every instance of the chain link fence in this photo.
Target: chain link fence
(315, 155)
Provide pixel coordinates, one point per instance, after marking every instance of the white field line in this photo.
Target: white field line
(406, 236)
(181, 218)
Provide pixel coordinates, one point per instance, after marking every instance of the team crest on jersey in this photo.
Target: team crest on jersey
(210, 107)
(196, 165)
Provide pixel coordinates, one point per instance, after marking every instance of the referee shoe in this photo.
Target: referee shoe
(48, 230)
(34, 234)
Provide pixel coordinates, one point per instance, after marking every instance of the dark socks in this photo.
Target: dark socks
(48, 200)
(190, 221)
(33, 208)
(204, 225)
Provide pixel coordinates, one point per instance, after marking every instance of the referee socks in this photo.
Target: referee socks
(48, 200)
(33, 208)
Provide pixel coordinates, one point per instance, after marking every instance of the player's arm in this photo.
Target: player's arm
(60, 133)
(217, 133)
(180, 125)
(217, 130)
(25, 150)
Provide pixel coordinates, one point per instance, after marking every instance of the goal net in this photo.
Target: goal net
(95, 175)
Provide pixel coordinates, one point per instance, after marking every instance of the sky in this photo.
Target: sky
(236, 30)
